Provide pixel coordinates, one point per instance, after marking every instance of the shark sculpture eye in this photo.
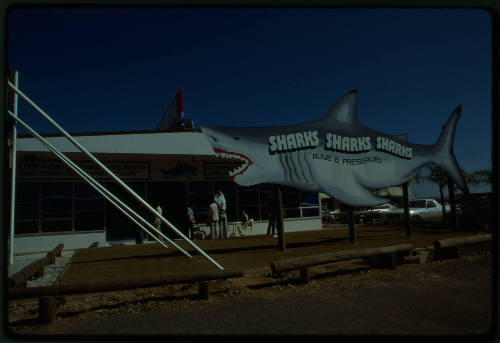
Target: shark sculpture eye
(237, 138)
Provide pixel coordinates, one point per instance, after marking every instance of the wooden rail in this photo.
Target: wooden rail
(309, 261)
(454, 247)
(387, 257)
(35, 268)
(46, 295)
(453, 242)
(95, 287)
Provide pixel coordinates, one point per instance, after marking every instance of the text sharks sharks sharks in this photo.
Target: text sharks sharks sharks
(335, 155)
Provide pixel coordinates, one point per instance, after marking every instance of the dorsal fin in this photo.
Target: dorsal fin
(403, 137)
(344, 110)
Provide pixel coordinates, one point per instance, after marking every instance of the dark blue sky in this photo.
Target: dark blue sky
(118, 69)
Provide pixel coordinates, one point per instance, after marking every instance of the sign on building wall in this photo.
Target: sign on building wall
(335, 155)
(180, 171)
(219, 170)
(58, 170)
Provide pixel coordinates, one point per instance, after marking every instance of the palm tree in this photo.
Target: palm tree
(479, 176)
(433, 174)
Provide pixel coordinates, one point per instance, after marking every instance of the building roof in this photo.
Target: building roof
(181, 142)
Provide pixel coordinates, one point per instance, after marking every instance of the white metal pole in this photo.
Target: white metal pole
(13, 189)
(97, 186)
(117, 179)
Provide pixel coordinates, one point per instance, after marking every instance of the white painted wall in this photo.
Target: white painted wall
(291, 225)
(175, 143)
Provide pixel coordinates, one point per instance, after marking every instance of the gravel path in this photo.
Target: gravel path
(52, 272)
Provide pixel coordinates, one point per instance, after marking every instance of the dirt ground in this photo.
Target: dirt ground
(242, 253)
(250, 254)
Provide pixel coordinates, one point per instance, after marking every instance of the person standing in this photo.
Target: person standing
(274, 209)
(270, 219)
(157, 222)
(213, 219)
(221, 203)
(190, 221)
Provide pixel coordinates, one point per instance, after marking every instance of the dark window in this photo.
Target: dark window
(310, 212)
(89, 208)
(309, 204)
(290, 198)
(200, 193)
(248, 198)
(56, 225)
(265, 190)
(309, 198)
(56, 206)
(26, 227)
(27, 207)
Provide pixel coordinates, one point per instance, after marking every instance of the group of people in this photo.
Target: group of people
(217, 219)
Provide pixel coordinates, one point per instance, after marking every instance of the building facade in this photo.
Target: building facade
(176, 168)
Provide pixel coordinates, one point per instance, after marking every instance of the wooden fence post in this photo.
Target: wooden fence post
(47, 309)
(204, 290)
(280, 227)
(304, 275)
(406, 205)
(352, 225)
(453, 206)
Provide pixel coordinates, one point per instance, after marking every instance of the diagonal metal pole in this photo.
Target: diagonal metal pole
(100, 188)
(116, 178)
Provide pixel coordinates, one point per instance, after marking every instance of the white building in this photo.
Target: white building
(54, 205)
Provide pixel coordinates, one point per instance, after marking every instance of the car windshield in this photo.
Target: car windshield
(417, 204)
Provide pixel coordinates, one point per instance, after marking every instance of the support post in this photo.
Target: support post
(13, 178)
(47, 309)
(352, 225)
(304, 275)
(204, 290)
(453, 206)
(406, 205)
(280, 227)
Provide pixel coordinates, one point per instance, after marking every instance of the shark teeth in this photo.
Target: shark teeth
(239, 169)
(245, 161)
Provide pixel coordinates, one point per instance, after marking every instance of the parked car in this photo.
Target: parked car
(378, 211)
(421, 211)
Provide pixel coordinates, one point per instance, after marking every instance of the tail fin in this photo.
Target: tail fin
(444, 156)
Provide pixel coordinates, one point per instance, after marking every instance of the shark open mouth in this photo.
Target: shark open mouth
(245, 161)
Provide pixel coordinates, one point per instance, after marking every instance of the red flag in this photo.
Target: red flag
(180, 104)
(173, 115)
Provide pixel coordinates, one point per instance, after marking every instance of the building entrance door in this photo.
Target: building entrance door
(173, 199)
(172, 196)
(119, 226)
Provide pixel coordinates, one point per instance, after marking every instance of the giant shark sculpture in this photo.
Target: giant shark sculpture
(335, 155)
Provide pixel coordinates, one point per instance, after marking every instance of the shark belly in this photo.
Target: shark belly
(350, 178)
